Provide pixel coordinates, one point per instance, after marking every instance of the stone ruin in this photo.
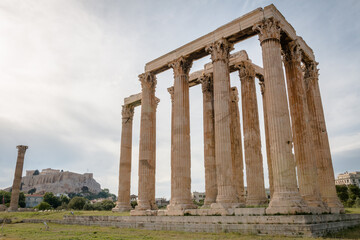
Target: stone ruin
(302, 182)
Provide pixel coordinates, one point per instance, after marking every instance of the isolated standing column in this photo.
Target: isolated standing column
(123, 202)
(181, 160)
(252, 141)
(14, 202)
(209, 140)
(286, 198)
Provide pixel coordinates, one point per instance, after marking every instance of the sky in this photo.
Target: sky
(67, 65)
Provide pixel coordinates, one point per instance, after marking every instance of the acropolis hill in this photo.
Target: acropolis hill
(56, 181)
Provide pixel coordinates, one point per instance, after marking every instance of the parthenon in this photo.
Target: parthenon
(300, 170)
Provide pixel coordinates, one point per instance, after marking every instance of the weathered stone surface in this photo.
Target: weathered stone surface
(17, 178)
(286, 198)
(252, 141)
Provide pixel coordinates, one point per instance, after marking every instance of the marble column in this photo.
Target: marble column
(226, 197)
(236, 146)
(303, 146)
(267, 141)
(146, 146)
(181, 161)
(123, 202)
(325, 171)
(153, 163)
(252, 141)
(209, 140)
(15, 190)
(171, 92)
(286, 198)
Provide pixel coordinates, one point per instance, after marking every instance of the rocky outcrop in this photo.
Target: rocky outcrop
(56, 181)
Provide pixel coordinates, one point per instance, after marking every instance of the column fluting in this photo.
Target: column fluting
(209, 140)
(226, 197)
(146, 146)
(325, 171)
(286, 198)
(303, 146)
(181, 159)
(252, 141)
(236, 146)
(123, 201)
(15, 190)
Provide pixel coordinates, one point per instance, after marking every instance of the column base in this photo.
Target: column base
(256, 202)
(316, 206)
(287, 203)
(143, 212)
(334, 204)
(12, 209)
(226, 206)
(121, 208)
(180, 206)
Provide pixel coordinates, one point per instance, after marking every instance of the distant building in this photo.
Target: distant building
(161, 202)
(348, 178)
(33, 200)
(197, 196)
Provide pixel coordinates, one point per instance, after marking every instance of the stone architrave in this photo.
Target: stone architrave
(15, 191)
(123, 202)
(252, 141)
(209, 140)
(226, 197)
(303, 144)
(286, 198)
(181, 159)
(325, 171)
(266, 126)
(236, 146)
(146, 147)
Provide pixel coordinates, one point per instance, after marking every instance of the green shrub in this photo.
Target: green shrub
(43, 206)
(77, 203)
(88, 206)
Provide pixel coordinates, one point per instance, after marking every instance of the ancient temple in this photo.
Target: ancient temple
(299, 161)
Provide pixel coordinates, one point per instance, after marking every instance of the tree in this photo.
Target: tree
(342, 192)
(133, 204)
(51, 199)
(64, 199)
(357, 203)
(32, 191)
(85, 189)
(107, 205)
(22, 203)
(6, 196)
(36, 172)
(77, 203)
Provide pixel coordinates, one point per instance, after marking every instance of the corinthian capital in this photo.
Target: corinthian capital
(246, 69)
(181, 66)
(148, 80)
(127, 112)
(21, 148)
(268, 29)
(234, 94)
(157, 100)
(291, 52)
(311, 70)
(262, 85)
(206, 83)
(220, 50)
(171, 91)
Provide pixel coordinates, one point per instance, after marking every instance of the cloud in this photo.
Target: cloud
(65, 69)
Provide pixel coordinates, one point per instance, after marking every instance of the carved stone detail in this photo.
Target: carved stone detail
(220, 50)
(181, 66)
(127, 112)
(171, 91)
(268, 29)
(148, 80)
(246, 70)
(206, 83)
(292, 52)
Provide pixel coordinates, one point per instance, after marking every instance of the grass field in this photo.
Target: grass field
(77, 232)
